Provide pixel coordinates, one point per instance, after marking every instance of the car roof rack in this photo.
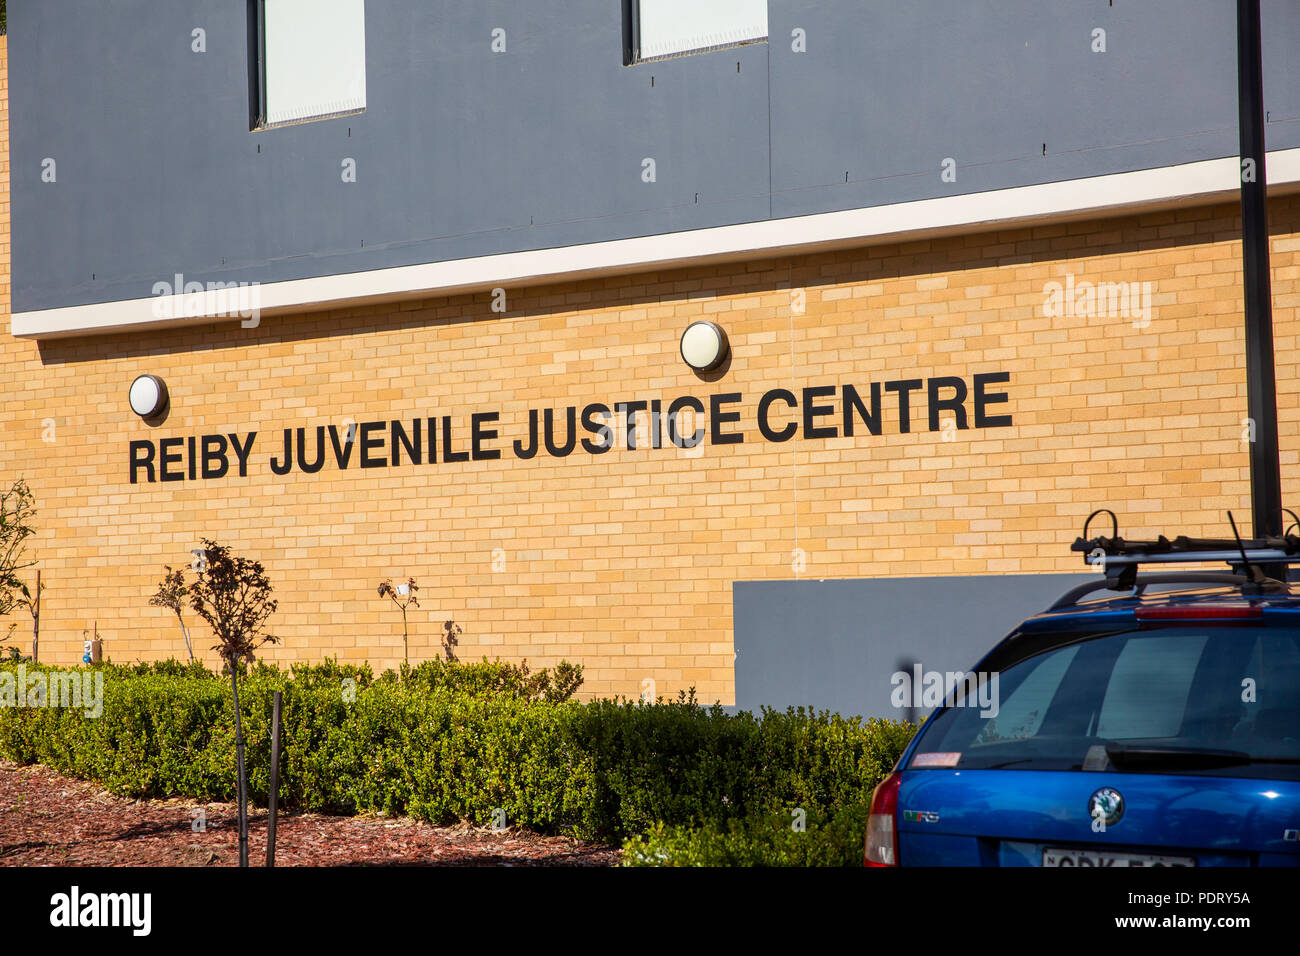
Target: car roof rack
(1071, 597)
(1120, 559)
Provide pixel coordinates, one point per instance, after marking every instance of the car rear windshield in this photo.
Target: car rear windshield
(1214, 700)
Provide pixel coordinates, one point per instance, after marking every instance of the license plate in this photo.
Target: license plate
(1056, 857)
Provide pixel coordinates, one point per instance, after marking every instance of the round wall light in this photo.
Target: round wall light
(704, 346)
(148, 396)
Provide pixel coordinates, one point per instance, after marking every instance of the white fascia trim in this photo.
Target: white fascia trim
(1208, 181)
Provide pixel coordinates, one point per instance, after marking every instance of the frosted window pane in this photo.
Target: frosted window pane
(675, 26)
(315, 58)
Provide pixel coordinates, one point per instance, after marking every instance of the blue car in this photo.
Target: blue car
(1159, 727)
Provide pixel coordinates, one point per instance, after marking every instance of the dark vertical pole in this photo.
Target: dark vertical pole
(241, 792)
(275, 779)
(1261, 376)
(36, 622)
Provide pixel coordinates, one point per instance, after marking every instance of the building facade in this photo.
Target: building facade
(452, 349)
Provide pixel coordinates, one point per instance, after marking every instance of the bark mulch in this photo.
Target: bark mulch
(50, 820)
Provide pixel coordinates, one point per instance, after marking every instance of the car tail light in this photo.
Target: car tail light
(882, 824)
(1201, 612)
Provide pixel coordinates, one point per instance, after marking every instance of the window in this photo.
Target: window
(1165, 689)
(311, 60)
(1021, 714)
(1149, 686)
(662, 28)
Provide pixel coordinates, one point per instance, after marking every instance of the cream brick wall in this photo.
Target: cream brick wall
(625, 561)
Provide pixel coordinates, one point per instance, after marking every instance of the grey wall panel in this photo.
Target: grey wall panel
(1280, 43)
(887, 92)
(834, 645)
(462, 152)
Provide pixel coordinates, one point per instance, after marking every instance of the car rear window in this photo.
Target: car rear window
(1215, 700)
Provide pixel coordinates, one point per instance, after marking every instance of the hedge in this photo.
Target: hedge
(451, 742)
(766, 839)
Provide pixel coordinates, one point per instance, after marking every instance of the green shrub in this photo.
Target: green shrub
(767, 839)
(493, 678)
(449, 742)
(168, 668)
(681, 763)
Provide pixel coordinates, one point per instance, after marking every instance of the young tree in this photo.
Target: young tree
(233, 595)
(31, 602)
(17, 509)
(172, 594)
(387, 590)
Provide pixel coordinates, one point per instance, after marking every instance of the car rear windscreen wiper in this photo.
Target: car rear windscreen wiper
(1159, 757)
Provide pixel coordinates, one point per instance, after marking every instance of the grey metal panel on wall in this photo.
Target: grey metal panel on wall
(1012, 91)
(460, 152)
(834, 645)
(464, 152)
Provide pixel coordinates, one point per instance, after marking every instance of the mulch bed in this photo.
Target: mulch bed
(50, 820)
